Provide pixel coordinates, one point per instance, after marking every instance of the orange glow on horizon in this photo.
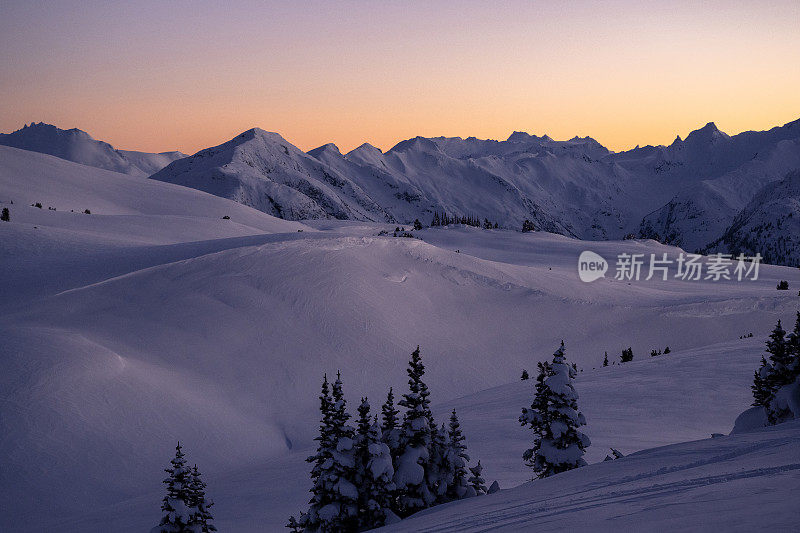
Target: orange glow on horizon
(186, 76)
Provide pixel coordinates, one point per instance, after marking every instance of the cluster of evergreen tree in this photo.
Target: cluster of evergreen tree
(5, 216)
(444, 219)
(184, 506)
(527, 226)
(554, 417)
(627, 355)
(779, 374)
(375, 473)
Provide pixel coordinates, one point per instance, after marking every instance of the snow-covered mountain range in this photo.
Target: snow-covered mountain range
(686, 194)
(78, 146)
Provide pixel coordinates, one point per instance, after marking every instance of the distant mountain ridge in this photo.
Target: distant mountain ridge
(686, 194)
(769, 224)
(78, 146)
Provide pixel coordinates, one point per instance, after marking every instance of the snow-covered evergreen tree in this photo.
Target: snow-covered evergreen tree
(783, 378)
(198, 501)
(563, 447)
(374, 473)
(390, 424)
(761, 390)
(457, 459)
(536, 417)
(438, 471)
(179, 514)
(555, 419)
(779, 357)
(321, 461)
(342, 513)
(605, 359)
(475, 481)
(334, 503)
(415, 443)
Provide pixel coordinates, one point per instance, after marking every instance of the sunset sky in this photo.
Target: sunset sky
(156, 76)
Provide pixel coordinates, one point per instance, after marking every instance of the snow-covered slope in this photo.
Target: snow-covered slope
(154, 319)
(114, 352)
(153, 209)
(78, 146)
(745, 482)
(769, 224)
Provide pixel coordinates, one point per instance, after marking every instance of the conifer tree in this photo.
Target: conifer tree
(457, 460)
(524, 375)
(5, 216)
(320, 489)
(203, 516)
(414, 457)
(627, 355)
(344, 514)
(374, 473)
(179, 514)
(390, 426)
(779, 358)
(783, 373)
(761, 392)
(555, 419)
(793, 349)
(536, 417)
(477, 483)
(564, 445)
(605, 359)
(334, 502)
(417, 224)
(437, 472)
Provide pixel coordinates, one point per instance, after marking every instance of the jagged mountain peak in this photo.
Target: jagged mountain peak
(417, 144)
(78, 146)
(325, 149)
(366, 147)
(45, 128)
(709, 132)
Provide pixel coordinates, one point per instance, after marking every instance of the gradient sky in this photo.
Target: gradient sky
(163, 75)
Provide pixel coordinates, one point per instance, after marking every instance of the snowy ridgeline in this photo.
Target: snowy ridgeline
(170, 314)
(696, 193)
